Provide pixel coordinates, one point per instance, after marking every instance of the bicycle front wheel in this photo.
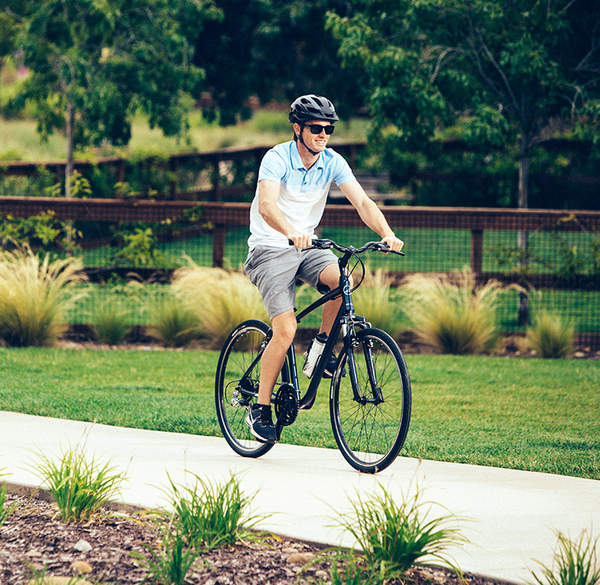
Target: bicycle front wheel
(236, 385)
(370, 422)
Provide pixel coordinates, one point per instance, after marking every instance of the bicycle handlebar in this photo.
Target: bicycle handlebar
(325, 244)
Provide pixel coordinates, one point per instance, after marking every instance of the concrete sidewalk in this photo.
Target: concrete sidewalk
(513, 513)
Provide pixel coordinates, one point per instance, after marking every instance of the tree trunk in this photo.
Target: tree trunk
(69, 132)
(524, 158)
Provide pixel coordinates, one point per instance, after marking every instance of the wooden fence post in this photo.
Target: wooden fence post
(477, 253)
(219, 246)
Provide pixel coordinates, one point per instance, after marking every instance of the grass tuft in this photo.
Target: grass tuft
(174, 323)
(576, 562)
(78, 486)
(220, 300)
(551, 336)
(396, 536)
(6, 510)
(35, 295)
(111, 322)
(454, 317)
(374, 300)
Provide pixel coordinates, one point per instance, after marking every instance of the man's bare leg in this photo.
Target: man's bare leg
(284, 328)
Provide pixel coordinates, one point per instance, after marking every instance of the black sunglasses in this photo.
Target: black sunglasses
(317, 129)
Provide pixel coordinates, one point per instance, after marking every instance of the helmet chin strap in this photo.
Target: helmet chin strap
(304, 143)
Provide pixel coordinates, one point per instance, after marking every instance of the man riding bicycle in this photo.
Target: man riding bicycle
(294, 179)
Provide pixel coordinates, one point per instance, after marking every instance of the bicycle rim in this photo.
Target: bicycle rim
(234, 393)
(371, 432)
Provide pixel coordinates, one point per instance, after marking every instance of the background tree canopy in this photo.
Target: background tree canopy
(506, 71)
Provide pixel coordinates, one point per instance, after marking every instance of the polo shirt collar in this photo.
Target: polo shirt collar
(297, 161)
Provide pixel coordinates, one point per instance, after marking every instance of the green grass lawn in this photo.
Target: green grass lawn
(530, 414)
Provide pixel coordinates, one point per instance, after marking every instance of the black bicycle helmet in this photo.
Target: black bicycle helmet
(312, 107)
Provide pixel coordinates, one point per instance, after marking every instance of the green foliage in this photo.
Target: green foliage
(174, 323)
(110, 322)
(211, 515)
(551, 336)
(456, 318)
(220, 299)
(35, 295)
(374, 299)
(398, 535)
(80, 487)
(6, 510)
(576, 562)
(138, 248)
(39, 232)
(170, 562)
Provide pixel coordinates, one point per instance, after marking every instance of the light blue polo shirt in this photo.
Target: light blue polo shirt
(303, 193)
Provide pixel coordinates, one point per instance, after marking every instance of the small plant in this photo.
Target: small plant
(396, 536)
(219, 298)
(175, 324)
(374, 300)
(551, 336)
(211, 515)
(6, 510)
(170, 563)
(139, 249)
(111, 322)
(457, 318)
(576, 562)
(78, 486)
(35, 295)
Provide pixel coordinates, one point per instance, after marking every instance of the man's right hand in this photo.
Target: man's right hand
(299, 239)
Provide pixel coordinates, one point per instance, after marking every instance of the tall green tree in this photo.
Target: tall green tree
(512, 71)
(93, 63)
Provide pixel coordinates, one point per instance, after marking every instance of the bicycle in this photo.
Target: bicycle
(370, 394)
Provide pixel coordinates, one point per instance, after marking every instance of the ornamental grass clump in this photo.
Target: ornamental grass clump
(211, 515)
(576, 562)
(551, 336)
(174, 323)
(35, 295)
(396, 535)
(111, 322)
(6, 509)
(220, 299)
(453, 314)
(80, 487)
(374, 299)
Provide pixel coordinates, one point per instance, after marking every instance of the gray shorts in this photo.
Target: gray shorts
(275, 270)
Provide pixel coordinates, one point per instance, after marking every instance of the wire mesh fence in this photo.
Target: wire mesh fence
(553, 255)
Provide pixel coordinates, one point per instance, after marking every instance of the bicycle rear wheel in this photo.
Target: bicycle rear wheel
(371, 426)
(236, 385)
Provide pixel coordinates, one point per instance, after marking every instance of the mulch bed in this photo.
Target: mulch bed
(35, 541)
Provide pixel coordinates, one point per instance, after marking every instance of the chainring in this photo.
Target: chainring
(286, 405)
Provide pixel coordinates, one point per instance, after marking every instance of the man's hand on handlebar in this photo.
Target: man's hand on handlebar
(300, 240)
(393, 243)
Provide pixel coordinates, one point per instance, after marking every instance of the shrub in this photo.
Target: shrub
(396, 536)
(78, 486)
(374, 300)
(111, 322)
(210, 515)
(175, 324)
(576, 562)
(454, 317)
(35, 295)
(551, 336)
(220, 299)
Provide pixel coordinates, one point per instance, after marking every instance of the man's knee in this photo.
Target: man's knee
(284, 328)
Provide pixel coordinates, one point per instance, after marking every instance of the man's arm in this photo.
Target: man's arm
(370, 213)
(268, 194)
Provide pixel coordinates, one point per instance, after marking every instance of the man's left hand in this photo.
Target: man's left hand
(393, 243)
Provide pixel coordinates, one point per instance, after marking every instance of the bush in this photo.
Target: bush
(551, 336)
(35, 295)
(373, 299)
(576, 562)
(219, 299)
(456, 318)
(397, 535)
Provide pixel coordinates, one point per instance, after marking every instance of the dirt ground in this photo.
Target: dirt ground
(34, 541)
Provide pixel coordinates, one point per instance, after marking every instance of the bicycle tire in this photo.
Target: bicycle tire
(232, 402)
(370, 435)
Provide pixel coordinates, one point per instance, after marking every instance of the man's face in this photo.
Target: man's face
(316, 142)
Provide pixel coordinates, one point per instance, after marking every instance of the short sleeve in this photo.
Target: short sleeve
(272, 167)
